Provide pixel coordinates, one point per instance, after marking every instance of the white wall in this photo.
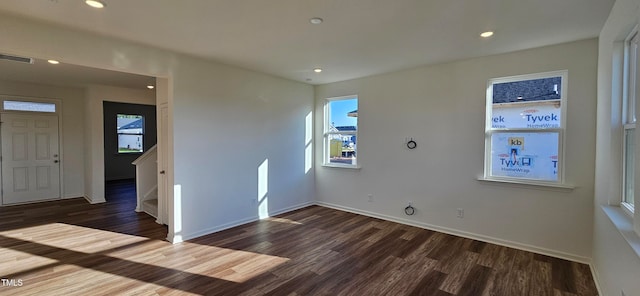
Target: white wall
(223, 122)
(442, 107)
(227, 122)
(616, 265)
(72, 124)
(94, 134)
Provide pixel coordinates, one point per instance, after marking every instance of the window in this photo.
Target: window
(341, 131)
(524, 129)
(29, 106)
(629, 120)
(130, 130)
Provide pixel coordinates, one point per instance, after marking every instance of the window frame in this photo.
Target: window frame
(629, 112)
(142, 134)
(561, 130)
(326, 133)
(56, 102)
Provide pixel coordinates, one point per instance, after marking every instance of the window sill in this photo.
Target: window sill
(341, 166)
(530, 184)
(624, 224)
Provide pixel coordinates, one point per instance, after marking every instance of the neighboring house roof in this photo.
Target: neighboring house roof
(528, 90)
(132, 125)
(353, 113)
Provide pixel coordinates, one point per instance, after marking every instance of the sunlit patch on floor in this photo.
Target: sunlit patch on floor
(283, 220)
(41, 255)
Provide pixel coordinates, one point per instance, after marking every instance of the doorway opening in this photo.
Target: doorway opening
(129, 132)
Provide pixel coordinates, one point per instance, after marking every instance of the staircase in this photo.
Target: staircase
(150, 205)
(147, 182)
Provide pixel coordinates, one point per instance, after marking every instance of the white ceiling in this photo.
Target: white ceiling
(69, 75)
(358, 37)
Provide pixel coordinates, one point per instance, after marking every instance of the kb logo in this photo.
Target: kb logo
(516, 141)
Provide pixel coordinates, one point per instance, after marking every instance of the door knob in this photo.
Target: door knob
(56, 161)
(162, 172)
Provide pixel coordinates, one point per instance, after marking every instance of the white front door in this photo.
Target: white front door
(30, 158)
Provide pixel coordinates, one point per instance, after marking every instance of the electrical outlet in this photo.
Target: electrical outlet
(370, 196)
(460, 213)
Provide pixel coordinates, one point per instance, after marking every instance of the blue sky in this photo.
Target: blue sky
(339, 110)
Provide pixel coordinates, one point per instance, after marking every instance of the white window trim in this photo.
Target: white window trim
(626, 108)
(489, 130)
(326, 132)
(629, 112)
(4, 98)
(619, 212)
(143, 134)
(627, 207)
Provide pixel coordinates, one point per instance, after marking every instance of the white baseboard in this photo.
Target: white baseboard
(179, 238)
(174, 239)
(292, 208)
(596, 278)
(91, 201)
(479, 237)
(217, 228)
(71, 196)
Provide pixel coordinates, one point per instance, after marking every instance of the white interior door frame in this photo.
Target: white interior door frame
(163, 143)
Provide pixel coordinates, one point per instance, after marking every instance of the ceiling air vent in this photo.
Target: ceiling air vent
(16, 58)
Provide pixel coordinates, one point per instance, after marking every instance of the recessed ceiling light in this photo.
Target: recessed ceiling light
(53, 62)
(150, 86)
(317, 70)
(486, 34)
(316, 20)
(95, 3)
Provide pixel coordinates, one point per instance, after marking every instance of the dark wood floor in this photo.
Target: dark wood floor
(72, 248)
